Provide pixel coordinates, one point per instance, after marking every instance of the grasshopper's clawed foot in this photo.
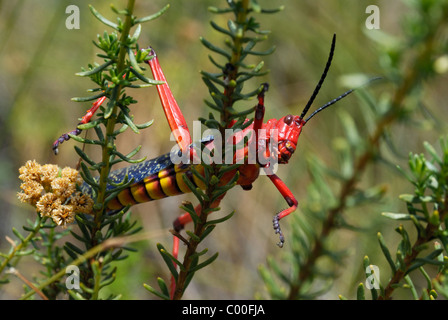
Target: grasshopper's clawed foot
(63, 138)
(278, 230)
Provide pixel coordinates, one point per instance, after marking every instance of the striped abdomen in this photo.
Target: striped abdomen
(153, 179)
(160, 178)
(165, 183)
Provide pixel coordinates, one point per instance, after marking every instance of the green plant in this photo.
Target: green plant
(338, 193)
(427, 211)
(407, 65)
(98, 246)
(97, 230)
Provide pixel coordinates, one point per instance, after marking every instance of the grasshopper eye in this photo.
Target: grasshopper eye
(288, 119)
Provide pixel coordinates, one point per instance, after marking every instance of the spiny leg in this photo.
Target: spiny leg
(259, 110)
(260, 136)
(172, 111)
(86, 119)
(173, 114)
(279, 184)
(290, 200)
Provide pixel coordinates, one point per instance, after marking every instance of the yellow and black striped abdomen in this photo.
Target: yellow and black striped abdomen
(159, 178)
(167, 182)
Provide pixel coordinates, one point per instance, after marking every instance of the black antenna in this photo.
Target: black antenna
(338, 98)
(330, 103)
(322, 78)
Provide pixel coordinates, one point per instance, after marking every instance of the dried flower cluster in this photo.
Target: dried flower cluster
(53, 191)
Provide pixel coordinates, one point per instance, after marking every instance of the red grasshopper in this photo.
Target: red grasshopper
(160, 177)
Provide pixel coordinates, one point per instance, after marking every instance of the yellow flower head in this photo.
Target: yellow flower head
(53, 191)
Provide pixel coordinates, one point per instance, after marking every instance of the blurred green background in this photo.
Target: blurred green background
(39, 57)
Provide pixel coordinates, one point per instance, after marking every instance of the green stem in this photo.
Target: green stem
(225, 117)
(108, 244)
(109, 141)
(39, 223)
(96, 281)
(110, 126)
(429, 235)
(241, 18)
(191, 249)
